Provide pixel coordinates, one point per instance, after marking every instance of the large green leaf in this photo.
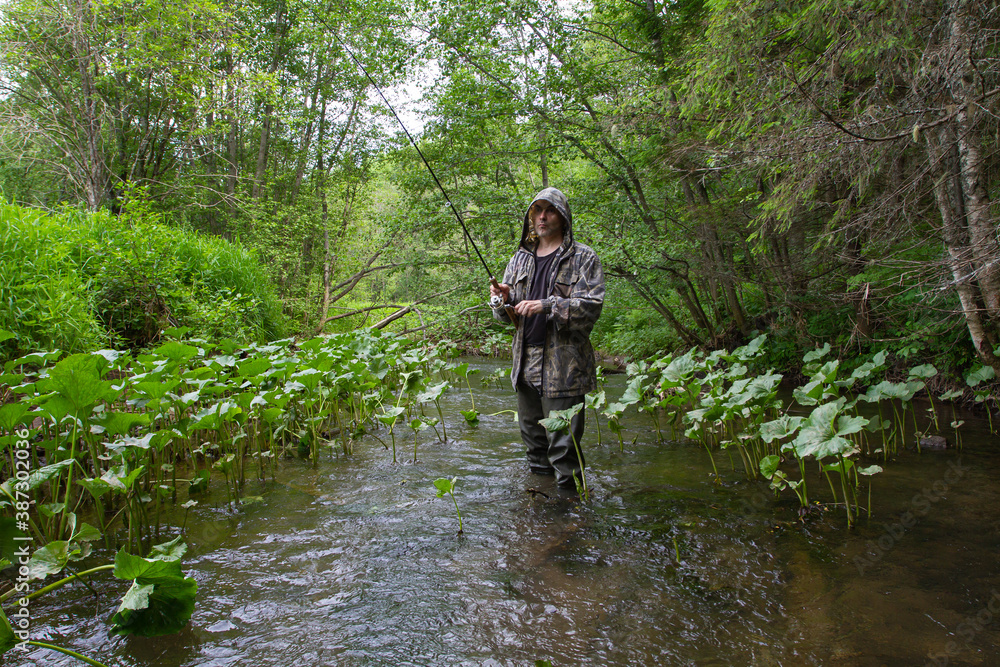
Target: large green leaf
(38, 477)
(12, 415)
(157, 389)
(981, 374)
(161, 599)
(818, 435)
(7, 638)
(172, 550)
(595, 399)
(614, 410)
(809, 394)
(752, 349)
(923, 371)
(390, 415)
(433, 392)
(817, 354)
(783, 427)
(309, 377)
(120, 423)
(769, 465)
(154, 609)
(77, 381)
(554, 424)
(847, 425)
(176, 351)
(51, 559)
(633, 391)
(120, 478)
(680, 370)
(253, 367)
(821, 448)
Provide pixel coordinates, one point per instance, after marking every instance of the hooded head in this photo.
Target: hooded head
(557, 199)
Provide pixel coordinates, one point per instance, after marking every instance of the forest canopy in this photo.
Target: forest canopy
(820, 171)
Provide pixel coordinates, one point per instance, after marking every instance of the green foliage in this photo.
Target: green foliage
(447, 486)
(161, 599)
(45, 303)
(636, 332)
(727, 406)
(77, 282)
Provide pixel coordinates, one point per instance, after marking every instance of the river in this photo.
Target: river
(357, 562)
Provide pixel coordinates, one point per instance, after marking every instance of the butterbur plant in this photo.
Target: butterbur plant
(419, 424)
(159, 602)
(448, 486)
(434, 393)
(595, 400)
(614, 412)
(560, 420)
(463, 371)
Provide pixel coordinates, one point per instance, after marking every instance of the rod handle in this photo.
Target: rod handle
(507, 307)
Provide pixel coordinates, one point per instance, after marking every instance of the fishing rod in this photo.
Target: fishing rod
(495, 301)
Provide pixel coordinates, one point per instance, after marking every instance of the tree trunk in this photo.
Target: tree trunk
(94, 167)
(262, 148)
(232, 154)
(280, 30)
(307, 131)
(960, 255)
(963, 82)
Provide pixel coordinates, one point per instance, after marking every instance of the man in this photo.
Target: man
(556, 288)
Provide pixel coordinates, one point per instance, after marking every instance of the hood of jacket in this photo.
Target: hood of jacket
(557, 199)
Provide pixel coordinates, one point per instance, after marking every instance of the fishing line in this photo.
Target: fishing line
(494, 301)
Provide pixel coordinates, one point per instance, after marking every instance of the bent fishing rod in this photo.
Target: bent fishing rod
(495, 301)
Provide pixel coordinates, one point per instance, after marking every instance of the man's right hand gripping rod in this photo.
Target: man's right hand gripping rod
(497, 301)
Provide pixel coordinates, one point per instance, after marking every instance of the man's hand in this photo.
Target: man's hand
(501, 290)
(526, 308)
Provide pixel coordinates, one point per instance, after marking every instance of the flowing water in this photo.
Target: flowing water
(357, 562)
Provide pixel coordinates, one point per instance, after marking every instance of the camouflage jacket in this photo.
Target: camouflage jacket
(575, 299)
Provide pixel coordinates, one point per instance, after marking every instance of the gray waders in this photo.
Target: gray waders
(550, 453)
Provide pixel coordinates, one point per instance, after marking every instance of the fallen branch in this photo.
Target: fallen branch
(411, 308)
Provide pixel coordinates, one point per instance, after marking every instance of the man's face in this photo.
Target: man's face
(547, 220)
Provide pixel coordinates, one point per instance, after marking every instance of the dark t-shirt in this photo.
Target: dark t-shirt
(534, 325)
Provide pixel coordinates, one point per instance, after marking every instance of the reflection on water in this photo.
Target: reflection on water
(358, 563)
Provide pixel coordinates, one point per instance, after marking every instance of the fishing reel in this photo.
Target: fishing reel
(496, 302)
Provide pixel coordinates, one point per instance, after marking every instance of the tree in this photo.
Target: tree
(876, 114)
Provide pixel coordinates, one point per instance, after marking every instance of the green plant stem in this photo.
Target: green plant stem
(444, 429)
(66, 651)
(805, 491)
(826, 473)
(471, 398)
(62, 582)
(69, 480)
(847, 496)
(710, 458)
(869, 499)
(583, 474)
(597, 421)
(460, 529)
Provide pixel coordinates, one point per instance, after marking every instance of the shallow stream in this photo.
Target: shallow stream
(357, 562)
